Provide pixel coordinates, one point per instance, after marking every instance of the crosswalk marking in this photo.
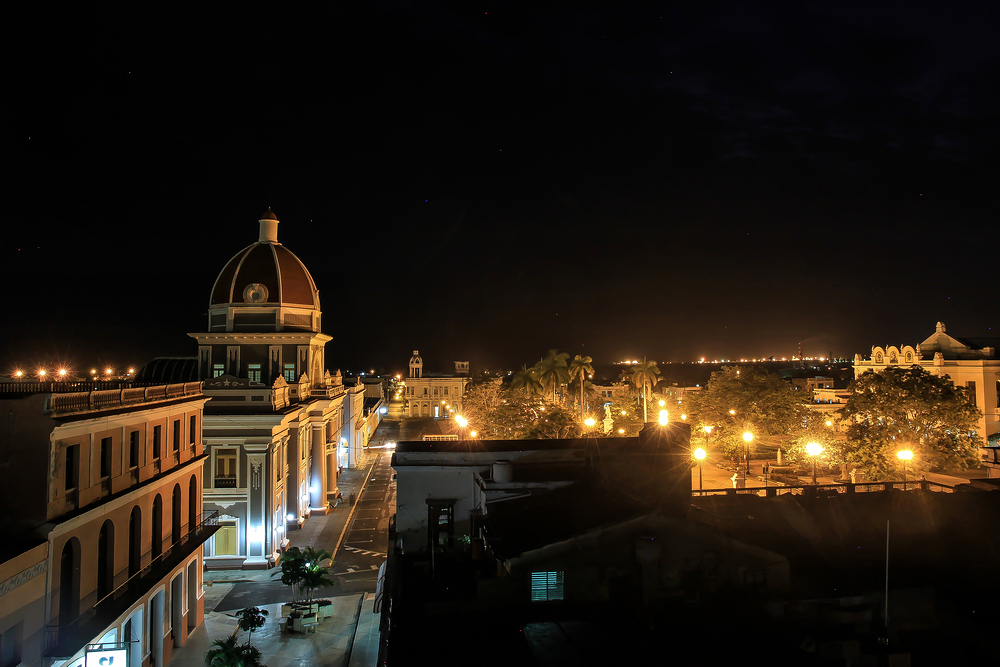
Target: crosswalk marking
(364, 552)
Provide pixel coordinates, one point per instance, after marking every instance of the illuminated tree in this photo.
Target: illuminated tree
(644, 377)
(746, 399)
(579, 369)
(553, 371)
(556, 422)
(909, 408)
(526, 382)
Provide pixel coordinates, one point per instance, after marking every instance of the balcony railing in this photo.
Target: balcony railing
(63, 640)
(225, 482)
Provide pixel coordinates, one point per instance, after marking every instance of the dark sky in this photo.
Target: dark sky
(488, 180)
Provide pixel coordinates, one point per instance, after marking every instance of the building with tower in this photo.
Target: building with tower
(969, 362)
(278, 425)
(435, 394)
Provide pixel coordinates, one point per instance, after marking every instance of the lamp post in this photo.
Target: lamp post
(462, 423)
(747, 438)
(708, 432)
(904, 456)
(700, 455)
(664, 418)
(814, 449)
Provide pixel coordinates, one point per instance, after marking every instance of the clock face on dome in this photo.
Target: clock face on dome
(255, 293)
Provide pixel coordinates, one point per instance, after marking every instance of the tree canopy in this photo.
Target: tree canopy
(909, 408)
(741, 399)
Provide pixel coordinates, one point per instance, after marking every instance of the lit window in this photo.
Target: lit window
(253, 372)
(289, 373)
(218, 369)
(547, 586)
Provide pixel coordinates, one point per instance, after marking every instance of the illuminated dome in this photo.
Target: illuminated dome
(264, 287)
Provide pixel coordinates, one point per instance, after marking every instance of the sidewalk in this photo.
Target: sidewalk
(318, 530)
(349, 637)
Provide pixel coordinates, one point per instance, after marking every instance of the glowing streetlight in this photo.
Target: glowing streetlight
(708, 432)
(732, 412)
(664, 418)
(62, 373)
(589, 421)
(829, 423)
(662, 403)
(107, 371)
(700, 455)
(462, 421)
(18, 373)
(814, 449)
(904, 456)
(473, 434)
(747, 439)
(41, 372)
(621, 431)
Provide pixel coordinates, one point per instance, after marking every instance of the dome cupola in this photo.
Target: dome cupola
(264, 287)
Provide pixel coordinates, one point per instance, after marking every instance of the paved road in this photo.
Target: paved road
(367, 538)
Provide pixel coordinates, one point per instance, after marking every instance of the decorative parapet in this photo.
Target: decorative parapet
(103, 399)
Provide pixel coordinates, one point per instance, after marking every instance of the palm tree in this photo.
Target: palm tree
(526, 380)
(553, 371)
(251, 619)
(579, 368)
(643, 376)
(228, 652)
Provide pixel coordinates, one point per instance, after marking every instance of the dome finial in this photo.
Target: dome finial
(268, 227)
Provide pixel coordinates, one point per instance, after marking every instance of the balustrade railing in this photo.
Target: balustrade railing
(81, 396)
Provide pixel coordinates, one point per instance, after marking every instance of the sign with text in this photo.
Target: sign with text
(108, 657)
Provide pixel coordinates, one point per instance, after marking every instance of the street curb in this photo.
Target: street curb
(357, 501)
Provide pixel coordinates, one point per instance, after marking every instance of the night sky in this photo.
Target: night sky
(487, 180)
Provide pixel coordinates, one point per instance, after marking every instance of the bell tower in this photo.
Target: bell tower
(416, 365)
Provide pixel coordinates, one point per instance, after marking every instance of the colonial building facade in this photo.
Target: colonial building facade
(435, 395)
(103, 522)
(279, 425)
(969, 362)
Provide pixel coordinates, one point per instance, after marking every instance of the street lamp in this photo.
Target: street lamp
(814, 449)
(700, 455)
(904, 456)
(747, 438)
(708, 432)
(664, 418)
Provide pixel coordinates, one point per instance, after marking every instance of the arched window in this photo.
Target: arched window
(135, 541)
(69, 582)
(193, 503)
(175, 515)
(105, 560)
(157, 525)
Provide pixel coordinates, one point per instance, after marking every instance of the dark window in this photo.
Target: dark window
(72, 466)
(971, 386)
(156, 441)
(105, 457)
(177, 435)
(133, 449)
(193, 435)
(225, 469)
(441, 522)
(998, 393)
(446, 391)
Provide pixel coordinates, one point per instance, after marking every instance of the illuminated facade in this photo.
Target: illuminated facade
(103, 522)
(969, 362)
(279, 425)
(435, 395)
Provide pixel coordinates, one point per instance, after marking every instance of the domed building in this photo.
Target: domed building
(279, 424)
